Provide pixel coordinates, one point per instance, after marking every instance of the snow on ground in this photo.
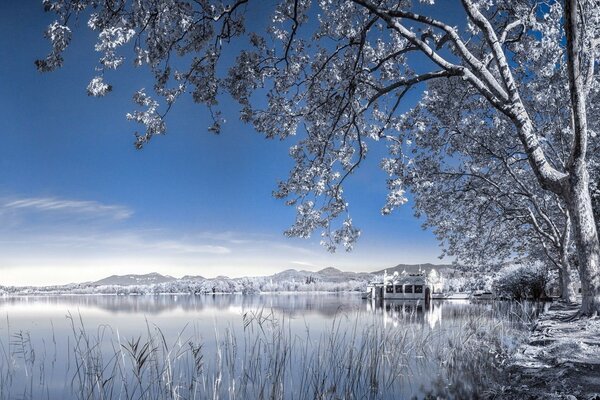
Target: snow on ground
(561, 360)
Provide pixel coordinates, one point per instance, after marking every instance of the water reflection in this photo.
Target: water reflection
(328, 306)
(289, 304)
(313, 331)
(398, 312)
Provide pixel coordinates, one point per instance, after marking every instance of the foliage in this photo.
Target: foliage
(467, 283)
(335, 73)
(521, 282)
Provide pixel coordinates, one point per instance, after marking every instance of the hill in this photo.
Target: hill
(192, 278)
(330, 274)
(291, 274)
(127, 280)
(335, 275)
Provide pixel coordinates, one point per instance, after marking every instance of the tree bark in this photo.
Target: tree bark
(578, 200)
(567, 290)
(576, 191)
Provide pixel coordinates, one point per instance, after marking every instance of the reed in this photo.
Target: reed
(266, 357)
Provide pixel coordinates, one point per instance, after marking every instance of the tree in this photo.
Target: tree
(476, 188)
(336, 76)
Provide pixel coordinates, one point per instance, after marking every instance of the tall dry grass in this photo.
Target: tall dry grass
(265, 357)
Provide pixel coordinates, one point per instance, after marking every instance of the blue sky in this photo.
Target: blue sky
(78, 202)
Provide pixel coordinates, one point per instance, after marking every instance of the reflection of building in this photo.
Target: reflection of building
(402, 286)
(434, 316)
(399, 313)
(402, 312)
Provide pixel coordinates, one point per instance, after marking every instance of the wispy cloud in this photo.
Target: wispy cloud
(51, 204)
(260, 242)
(131, 242)
(303, 263)
(191, 248)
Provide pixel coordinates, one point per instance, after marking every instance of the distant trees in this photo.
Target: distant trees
(200, 286)
(467, 283)
(516, 78)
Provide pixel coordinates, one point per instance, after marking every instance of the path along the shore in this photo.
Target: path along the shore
(561, 359)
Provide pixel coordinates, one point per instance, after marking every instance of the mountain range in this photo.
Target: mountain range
(132, 279)
(329, 274)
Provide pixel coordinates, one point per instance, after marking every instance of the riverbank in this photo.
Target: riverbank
(560, 360)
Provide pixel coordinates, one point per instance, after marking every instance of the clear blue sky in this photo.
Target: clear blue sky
(78, 202)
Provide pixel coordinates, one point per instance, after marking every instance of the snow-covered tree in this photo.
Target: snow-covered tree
(336, 71)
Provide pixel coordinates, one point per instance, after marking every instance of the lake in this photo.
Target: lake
(288, 346)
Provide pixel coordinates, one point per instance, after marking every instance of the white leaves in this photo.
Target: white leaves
(97, 87)
(279, 120)
(141, 56)
(60, 37)
(396, 196)
(112, 37)
(307, 220)
(109, 39)
(93, 21)
(347, 235)
(149, 117)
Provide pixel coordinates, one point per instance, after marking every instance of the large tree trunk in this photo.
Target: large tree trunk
(567, 290)
(578, 200)
(576, 188)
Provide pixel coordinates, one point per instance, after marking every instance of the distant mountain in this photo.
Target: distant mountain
(192, 278)
(413, 268)
(326, 275)
(335, 275)
(291, 274)
(330, 271)
(329, 274)
(127, 280)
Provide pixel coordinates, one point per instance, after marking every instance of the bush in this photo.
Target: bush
(520, 281)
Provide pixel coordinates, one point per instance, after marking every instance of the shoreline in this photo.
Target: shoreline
(559, 360)
(49, 294)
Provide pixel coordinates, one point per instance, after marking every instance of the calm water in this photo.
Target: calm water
(234, 346)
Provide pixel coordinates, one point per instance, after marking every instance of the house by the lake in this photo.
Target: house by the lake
(406, 286)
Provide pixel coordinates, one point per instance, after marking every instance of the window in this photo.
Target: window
(408, 289)
(418, 288)
(398, 288)
(389, 289)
